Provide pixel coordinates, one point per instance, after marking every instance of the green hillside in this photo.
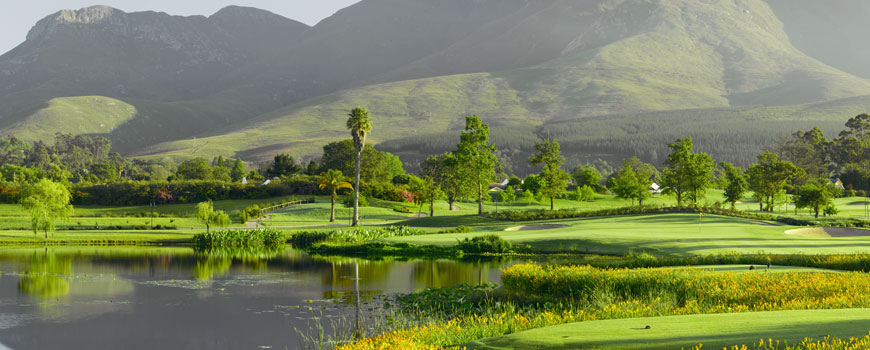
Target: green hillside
(76, 115)
(402, 109)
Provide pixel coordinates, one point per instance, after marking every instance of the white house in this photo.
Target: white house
(655, 188)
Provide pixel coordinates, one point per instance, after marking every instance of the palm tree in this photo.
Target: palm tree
(333, 180)
(359, 125)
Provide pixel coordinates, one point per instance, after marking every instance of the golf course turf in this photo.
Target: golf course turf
(666, 234)
(714, 331)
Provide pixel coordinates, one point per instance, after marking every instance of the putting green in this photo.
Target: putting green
(684, 234)
(714, 331)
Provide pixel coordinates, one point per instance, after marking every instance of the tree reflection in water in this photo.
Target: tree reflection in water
(46, 276)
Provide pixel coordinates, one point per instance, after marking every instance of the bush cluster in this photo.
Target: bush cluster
(305, 239)
(491, 244)
(263, 237)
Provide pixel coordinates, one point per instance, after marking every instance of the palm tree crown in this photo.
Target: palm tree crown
(333, 180)
(360, 124)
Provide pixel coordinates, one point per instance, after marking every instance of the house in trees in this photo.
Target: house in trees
(838, 184)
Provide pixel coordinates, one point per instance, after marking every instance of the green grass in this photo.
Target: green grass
(75, 115)
(758, 268)
(675, 332)
(659, 234)
(120, 237)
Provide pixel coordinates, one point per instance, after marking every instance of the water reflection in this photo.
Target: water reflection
(181, 298)
(46, 276)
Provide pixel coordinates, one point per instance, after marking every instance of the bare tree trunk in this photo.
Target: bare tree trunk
(432, 207)
(551, 203)
(356, 191)
(332, 208)
(479, 201)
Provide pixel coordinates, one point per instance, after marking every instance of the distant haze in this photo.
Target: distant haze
(17, 17)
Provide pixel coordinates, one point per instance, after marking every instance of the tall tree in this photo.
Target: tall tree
(426, 191)
(206, 214)
(46, 201)
(238, 172)
(816, 196)
(477, 157)
(360, 124)
(444, 169)
(588, 176)
(283, 165)
(633, 180)
(555, 178)
(736, 185)
(769, 176)
(333, 180)
(508, 195)
(688, 173)
(809, 151)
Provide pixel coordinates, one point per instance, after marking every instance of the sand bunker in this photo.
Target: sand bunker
(829, 232)
(535, 227)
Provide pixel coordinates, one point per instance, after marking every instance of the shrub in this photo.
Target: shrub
(459, 229)
(306, 239)
(493, 244)
(402, 209)
(239, 238)
(348, 201)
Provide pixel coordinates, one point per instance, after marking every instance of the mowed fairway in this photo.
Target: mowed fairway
(714, 331)
(685, 234)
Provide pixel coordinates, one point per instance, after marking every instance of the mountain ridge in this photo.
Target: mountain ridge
(518, 63)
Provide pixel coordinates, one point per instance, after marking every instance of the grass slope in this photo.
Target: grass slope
(659, 234)
(75, 115)
(403, 108)
(675, 332)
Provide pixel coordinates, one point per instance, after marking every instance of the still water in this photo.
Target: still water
(171, 298)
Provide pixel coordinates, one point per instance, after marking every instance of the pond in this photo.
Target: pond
(172, 298)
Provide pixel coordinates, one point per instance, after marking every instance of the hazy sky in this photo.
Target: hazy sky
(18, 16)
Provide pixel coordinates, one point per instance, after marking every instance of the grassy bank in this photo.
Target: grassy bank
(114, 237)
(666, 234)
(714, 331)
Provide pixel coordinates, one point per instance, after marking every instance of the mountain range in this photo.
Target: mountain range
(610, 78)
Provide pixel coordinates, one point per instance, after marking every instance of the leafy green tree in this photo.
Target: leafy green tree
(528, 197)
(769, 176)
(360, 124)
(377, 166)
(195, 169)
(106, 172)
(549, 154)
(736, 185)
(587, 176)
(808, 150)
(533, 184)
(312, 167)
(688, 173)
(333, 180)
(508, 195)
(238, 172)
(814, 196)
(477, 157)
(515, 181)
(426, 191)
(631, 184)
(585, 193)
(445, 171)
(283, 165)
(206, 214)
(46, 201)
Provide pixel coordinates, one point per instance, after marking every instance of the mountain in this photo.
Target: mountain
(245, 82)
(831, 31)
(148, 56)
